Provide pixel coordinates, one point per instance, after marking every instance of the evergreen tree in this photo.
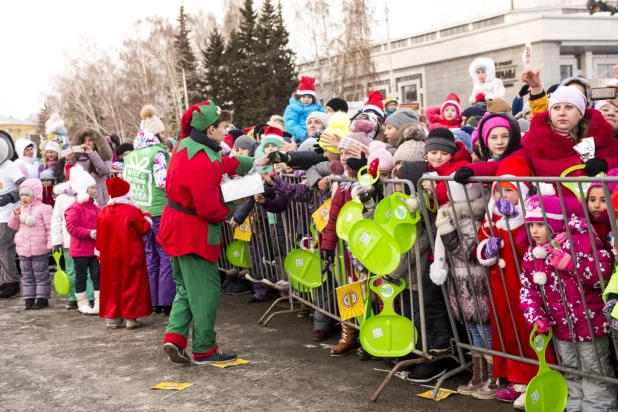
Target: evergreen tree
(233, 72)
(185, 53)
(285, 75)
(213, 60)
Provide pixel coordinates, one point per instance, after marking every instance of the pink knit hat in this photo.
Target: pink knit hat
(611, 186)
(553, 209)
(475, 136)
(377, 150)
(360, 136)
(567, 94)
(486, 125)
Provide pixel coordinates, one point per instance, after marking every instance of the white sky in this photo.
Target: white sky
(37, 35)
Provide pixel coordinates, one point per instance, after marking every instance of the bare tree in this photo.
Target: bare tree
(232, 18)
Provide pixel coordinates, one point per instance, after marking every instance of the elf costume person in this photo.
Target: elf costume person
(190, 231)
(121, 226)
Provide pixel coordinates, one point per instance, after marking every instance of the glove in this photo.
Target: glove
(506, 208)
(356, 164)
(364, 194)
(329, 257)
(612, 299)
(57, 249)
(463, 175)
(560, 259)
(443, 219)
(318, 149)
(7, 199)
(389, 279)
(278, 157)
(543, 325)
(525, 89)
(595, 166)
(93, 234)
(494, 244)
(413, 204)
(300, 173)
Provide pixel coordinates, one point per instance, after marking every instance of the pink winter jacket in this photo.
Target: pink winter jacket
(33, 237)
(539, 273)
(81, 218)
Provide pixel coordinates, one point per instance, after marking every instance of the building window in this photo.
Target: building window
(409, 93)
(377, 49)
(605, 70)
(488, 22)
(10, 130)
(566, 70)
(454, 30)
(19, 131)
(403, 79)
(400, 43)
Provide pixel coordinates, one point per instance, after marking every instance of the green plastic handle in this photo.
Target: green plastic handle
(387, 292)
(364, 178)
(416, 216)
(539, 345)
(56, 256)
(574, 168)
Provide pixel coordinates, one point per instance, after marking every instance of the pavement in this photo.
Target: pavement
(59, 360)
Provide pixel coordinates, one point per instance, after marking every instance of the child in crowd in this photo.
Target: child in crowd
(302, 104)
(244, 146)
(597, 209)
(483, 74)
(121, 227)
(46, 171)
(61, 240)
(550, 269)
(495, 250)
(390, 104)
(449, 115)
(122, 152)
(81, 221)
(457, 224)
(271, 142)
(32, 221)
(27, 163)
(500, 136)
(336, 105)
(396, 121)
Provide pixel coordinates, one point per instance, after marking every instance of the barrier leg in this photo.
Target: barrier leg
(281, 312)
(448, 375)
(392, 373)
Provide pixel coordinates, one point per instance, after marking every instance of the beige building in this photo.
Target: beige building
(18, 128)
(426, 67)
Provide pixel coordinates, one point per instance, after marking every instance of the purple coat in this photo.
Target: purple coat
(539, 273)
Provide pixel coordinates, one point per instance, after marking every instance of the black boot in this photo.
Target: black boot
(9, 290)
(166, 310)
(29, 303)
(156, 309)
(40, 304)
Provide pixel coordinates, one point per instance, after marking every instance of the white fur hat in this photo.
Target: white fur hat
(80, 182)
(54, 123)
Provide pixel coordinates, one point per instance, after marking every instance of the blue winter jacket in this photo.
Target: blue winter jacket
(295, 118)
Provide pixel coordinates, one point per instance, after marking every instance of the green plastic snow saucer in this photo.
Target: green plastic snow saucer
(573, 186)
(393, 215)
(349, 214)
(237, 254)
(547, 391)
(304, 268)
(371, 244)
(61, 281)
(388, 335)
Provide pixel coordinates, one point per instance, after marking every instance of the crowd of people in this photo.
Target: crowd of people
(139, 224)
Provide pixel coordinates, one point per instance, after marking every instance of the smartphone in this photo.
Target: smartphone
(77, 149)
(603, 93)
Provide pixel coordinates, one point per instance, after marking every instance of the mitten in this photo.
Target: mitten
(494, 244)
(413, 204)
(543, 325)
(6, 199)
(329, 257)
(506, 208)
(560, 259)
(463, 175)
(525, 89)
(299, 173)
(93, 234)
(364, 195)
(355, 163)
(595, 166)
(443, 220)
(278, 157)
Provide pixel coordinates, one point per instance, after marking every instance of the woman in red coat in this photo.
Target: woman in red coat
(558, 140)
(125, 291)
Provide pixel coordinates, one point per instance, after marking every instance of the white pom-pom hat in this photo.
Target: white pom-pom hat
(80, 182)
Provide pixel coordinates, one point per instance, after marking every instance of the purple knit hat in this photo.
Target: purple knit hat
(553, 209)
(488, 124)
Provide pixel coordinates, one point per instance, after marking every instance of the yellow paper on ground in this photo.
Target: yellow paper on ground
(442, 394)
(320, 216)
(350, 301)
(243, 232)
(171, 386)
(233, 363)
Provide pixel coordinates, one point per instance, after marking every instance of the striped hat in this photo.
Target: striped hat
(360, 136)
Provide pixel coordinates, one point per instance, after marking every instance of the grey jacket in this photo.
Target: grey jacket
(316, 172)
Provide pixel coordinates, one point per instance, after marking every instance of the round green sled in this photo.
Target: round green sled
(371, 244)
(61, 281)
(547, 391)
(349, 214)
(393, 215)
(304, 268)
(237, 254)
(388, 335)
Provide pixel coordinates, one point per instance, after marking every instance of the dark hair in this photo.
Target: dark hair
(226, 116)
(298, 96)
(168, 144)
(514, 137)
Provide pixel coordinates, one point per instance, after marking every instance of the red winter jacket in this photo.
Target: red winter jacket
(342, 195)
(549, 154)
(460, 159)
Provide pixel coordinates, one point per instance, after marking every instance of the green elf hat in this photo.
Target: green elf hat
(200, 117)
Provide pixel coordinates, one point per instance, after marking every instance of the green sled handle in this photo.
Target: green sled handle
(414, 217)
(572, 186)
(387, 292)
(61, 281)
(539, 344)
(364, 178)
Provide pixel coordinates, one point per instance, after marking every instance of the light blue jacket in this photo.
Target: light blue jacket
(295, 118)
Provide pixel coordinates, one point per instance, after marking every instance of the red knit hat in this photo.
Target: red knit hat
(451, 100)
(306, 86)
(67, 170)
(117, 187)
(374, 101)
(513, 166)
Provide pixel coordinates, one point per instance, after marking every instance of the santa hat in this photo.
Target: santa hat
(272, 135)
(306, 86)
(150, 121)
(374, 102)
(552, 209)
(117, 187)
(360, 136)
(377, 150)
(513, 166)
(80, 182)
(55, 124)
(451, 100)
(52, 147)
(67, 170)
